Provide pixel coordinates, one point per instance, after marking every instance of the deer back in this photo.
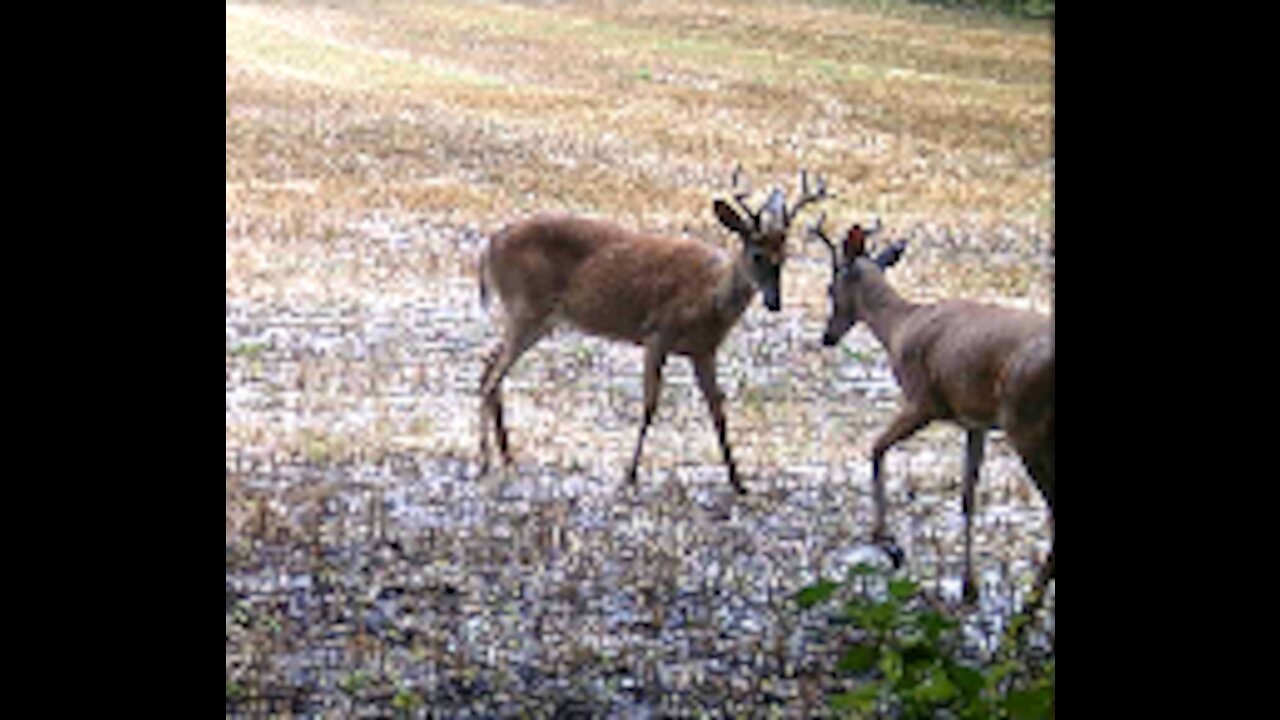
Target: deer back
(614, 282)
(957, 353)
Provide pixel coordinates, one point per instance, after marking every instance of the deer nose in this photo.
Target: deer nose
(772, 299)
(829, 340)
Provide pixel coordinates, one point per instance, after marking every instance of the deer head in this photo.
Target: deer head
(853, 271)
(764, 231)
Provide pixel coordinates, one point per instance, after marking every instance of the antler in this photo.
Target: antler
(740, 194)
(776, 205)
(814, 229)
(806, 195)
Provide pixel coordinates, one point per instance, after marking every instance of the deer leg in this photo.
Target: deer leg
(519, 337)
(705, 369)
(975, 445)
(655, 356)
(909, 420)
(1047, 572)
(1037, 456)
(1050, 570)
(485, 408)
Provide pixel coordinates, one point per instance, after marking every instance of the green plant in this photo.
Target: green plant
(354, 682)
(902, 658)
(406, 702)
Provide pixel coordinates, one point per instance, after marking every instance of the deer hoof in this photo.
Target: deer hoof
(735, 482)
(890, 548)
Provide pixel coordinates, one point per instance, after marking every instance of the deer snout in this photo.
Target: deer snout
(829, 340)
(773, 301)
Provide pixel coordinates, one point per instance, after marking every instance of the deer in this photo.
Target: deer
(670, 295)
(980, 366)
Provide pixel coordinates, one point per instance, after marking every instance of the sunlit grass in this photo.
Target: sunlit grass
(630, 112)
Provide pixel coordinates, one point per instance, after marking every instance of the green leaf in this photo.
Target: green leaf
(891, 665)
(919, 654)
(353, 683)
(998, 672)
(903, 589)
(1029, 704)
(862, 700)
(969, 681)
(936, 688)
(934, 624)
(859, 659)
(816, 593)
(880, 616)
(863, 570)
(406, 699)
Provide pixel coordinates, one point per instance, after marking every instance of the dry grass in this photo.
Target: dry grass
(370, 148)
(477, 112)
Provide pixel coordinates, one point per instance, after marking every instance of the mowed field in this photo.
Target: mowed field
(371, 149)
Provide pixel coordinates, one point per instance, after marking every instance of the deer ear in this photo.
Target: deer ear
(730, 218)
(890, 256)
(855, 243)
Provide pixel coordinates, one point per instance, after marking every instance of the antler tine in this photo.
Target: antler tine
(807, 196)
(814, 229)
(873, 230)
(741, 192)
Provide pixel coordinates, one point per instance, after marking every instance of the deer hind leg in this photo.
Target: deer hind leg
(1042, 471)
(1047, 572)
(655, 356)
(705, 369)
(491, 407)
(1036, 446)
(520, 335)
(975, 445)
(1035, 443)
(908, 421)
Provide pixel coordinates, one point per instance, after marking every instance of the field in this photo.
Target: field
(372, 147)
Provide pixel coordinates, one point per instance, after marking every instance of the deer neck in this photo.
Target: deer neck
(735, 290)
(882, 307)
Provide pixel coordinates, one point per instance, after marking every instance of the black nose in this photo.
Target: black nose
(828, 339)
(773, 302)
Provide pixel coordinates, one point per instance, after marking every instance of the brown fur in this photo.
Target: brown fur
(671, 295)
(609, 281)
(978, 365)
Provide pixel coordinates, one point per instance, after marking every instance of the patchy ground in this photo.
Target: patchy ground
(370, 149)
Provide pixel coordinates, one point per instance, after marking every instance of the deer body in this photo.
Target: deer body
(954, 355)
(981, 366)
(573, 270)
(671, 295)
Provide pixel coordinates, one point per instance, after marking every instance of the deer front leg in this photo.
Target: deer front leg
(705, 368)
(655, 356)
(975, 445)
(910, 419)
